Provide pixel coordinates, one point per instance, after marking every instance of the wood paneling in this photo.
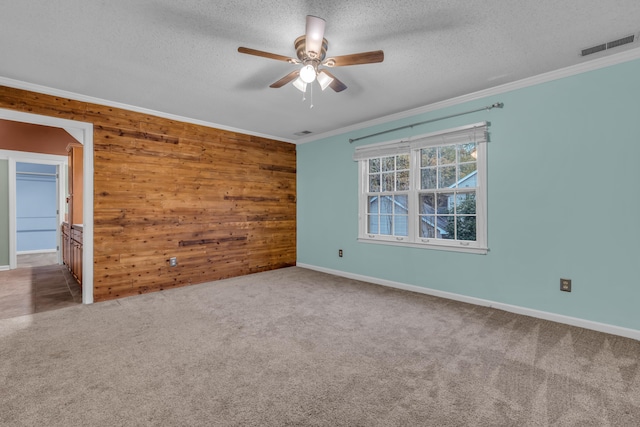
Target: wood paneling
(223, 203)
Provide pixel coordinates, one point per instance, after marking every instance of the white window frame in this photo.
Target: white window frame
(471, 133)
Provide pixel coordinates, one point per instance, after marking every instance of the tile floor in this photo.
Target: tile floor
(38, 284)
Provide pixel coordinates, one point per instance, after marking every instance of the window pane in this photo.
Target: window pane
(372, 224)
(426, 226)
(400, 207)
(402, 181)
(447, 155)
(388, 181)
(428, 178)
(466, 203)
(466, 171)
(467, 152)
(374, 165)
(428, 157)
(372, 206)
(386, 204)
(402, 162)
(446, 203)
(446, 176)
(388, 164)
(449, 230)
(400, 225)
(374, 183)
(466, 228)
(385, 224)
(427, 204)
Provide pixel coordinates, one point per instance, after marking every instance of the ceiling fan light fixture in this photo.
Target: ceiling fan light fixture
(300, 85)
(324, 80)
(308, 73)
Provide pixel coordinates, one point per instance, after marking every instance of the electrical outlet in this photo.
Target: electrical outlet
(340, 253)
(565, 285)
(173, 262)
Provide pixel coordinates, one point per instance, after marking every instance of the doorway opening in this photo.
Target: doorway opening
(38, 207)
(83, 133)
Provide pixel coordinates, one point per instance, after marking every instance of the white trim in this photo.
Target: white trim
(18, 84)
(37, 251)
(86, 131)
(27, 157)
(59, 162)
(5, 268)
(481, 250)
(13, 263)
(545, 315)
(561, 73)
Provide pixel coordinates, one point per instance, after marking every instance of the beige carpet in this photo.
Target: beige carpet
(294, 347)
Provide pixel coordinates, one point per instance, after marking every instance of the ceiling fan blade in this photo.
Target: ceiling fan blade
(269, 55)
(286, 79)
(355, 59)
(313, 36)
(336, 84)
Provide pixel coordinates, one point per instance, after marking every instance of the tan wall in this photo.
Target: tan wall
(32, 138)
(224, 203)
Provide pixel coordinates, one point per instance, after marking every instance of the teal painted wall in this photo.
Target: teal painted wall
(4, 212)
(563, 201)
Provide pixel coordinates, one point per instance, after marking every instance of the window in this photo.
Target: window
(427, 192)
(387, 197)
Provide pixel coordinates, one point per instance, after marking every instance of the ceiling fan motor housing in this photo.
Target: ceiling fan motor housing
(301, 51)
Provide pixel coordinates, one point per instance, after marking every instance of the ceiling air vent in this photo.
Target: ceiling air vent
(608, 45)
(620, 42)
(303, 133)
(594, 49)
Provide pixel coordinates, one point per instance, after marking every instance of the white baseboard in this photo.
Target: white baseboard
(5, 267)
(36, 251)
(573, 321)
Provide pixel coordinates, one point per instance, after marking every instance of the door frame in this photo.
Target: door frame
(43, 159)
(83, 132)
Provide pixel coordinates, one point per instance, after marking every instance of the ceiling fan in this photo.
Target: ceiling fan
(311, 50)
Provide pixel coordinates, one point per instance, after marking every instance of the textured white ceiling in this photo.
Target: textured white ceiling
(180, 57)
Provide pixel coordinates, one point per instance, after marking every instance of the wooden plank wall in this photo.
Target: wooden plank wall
(223, 203)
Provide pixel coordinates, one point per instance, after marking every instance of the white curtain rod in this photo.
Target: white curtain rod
(488, 107)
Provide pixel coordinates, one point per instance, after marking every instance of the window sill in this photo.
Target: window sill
(439, 247)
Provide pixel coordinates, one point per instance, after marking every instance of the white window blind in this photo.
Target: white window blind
(470, 133)
(392, 148)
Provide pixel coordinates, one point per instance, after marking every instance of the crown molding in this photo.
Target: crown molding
(18, 84)
(596, 64)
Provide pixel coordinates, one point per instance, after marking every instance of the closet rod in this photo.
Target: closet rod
(488, 107)
(36, 173)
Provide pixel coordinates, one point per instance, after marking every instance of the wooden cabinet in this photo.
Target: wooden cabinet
(66, 244)
(76, 252)
(72, 249)
(72, 230)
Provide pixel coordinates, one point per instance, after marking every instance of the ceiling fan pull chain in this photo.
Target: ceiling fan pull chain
(311, 96)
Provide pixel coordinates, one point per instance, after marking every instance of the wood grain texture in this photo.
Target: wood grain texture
(223, 203)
